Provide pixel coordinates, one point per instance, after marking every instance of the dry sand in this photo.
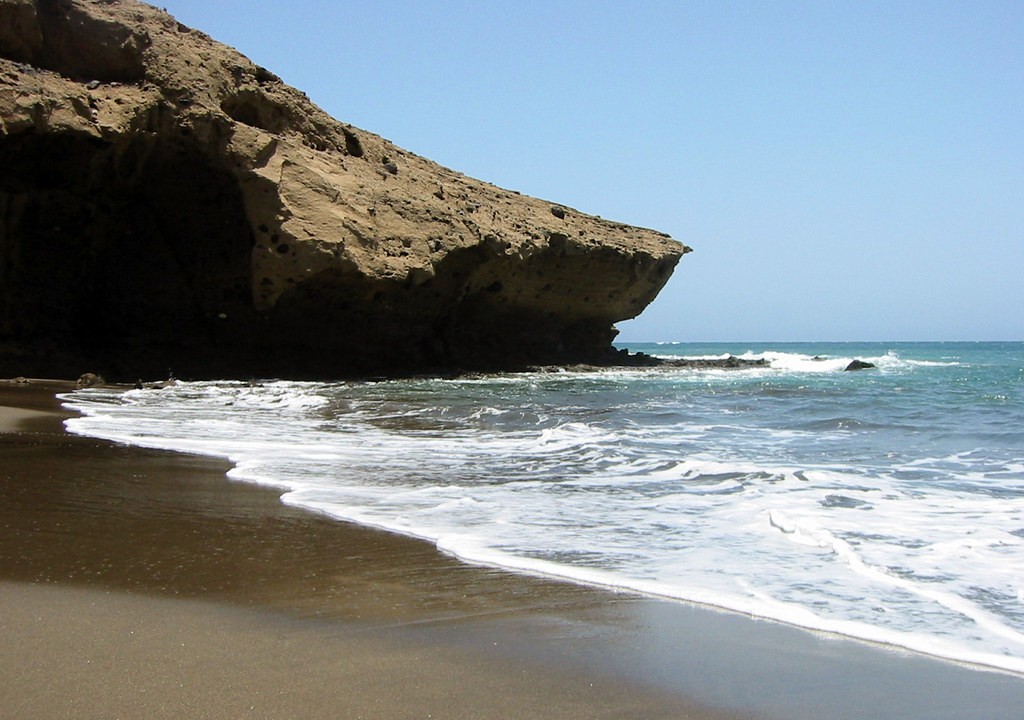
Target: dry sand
(137, 583)
(89, 653)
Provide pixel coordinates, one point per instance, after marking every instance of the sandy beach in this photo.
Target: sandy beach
(138, 583)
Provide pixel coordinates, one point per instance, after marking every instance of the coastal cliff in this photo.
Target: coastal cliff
(167, 204)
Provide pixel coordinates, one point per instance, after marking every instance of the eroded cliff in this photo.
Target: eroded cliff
(165, 203)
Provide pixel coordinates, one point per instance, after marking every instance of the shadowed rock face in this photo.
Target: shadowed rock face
(166, 204)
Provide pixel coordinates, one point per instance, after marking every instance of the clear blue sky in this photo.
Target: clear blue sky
(843, 170)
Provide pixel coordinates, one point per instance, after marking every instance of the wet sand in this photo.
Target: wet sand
(139, 583)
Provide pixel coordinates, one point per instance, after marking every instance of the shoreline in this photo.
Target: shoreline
(113, 531)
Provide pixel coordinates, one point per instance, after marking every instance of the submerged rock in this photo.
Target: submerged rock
(727, 363)
(859, 365)
(624, 358)
(164, 201)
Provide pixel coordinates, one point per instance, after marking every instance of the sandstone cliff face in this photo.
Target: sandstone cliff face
(165, 203)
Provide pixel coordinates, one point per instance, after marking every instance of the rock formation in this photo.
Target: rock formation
(165, 203)
(858, 365)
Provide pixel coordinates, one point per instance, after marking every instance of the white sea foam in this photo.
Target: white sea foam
(543, 474)
(795, 362)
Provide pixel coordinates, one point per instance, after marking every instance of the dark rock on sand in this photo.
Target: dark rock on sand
(88, 380)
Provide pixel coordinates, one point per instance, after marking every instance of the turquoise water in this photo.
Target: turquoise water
(885, 504)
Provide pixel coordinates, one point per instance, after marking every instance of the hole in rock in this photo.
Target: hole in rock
(120, 254)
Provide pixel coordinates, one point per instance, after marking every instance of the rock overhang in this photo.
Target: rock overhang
(339, 252)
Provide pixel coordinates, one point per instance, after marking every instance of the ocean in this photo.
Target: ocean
(885, 504)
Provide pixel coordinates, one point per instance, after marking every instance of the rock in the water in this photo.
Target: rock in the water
(165, 201)
(727, 363)
(859, 365)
